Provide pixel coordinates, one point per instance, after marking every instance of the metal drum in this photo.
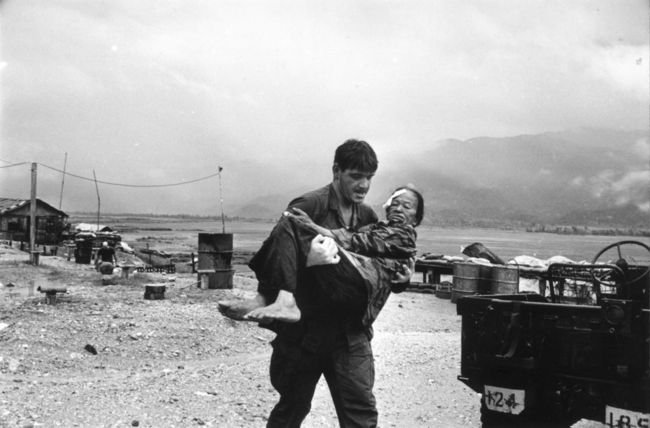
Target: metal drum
(220, 279)
(470, 279)
(215, 251)
(215, 258)
(84, 251)
(505, 280)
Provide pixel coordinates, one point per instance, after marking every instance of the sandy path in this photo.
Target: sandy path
(176, 362)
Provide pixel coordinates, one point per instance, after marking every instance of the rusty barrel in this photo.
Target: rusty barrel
(216, 279)
(505, 280)
(215, 251)
(215, 259)
(84, 251)
(470, 279)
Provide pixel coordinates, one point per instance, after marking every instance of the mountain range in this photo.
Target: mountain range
(587, 177)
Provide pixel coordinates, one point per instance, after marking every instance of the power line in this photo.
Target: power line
(14, 164)
(130, 185)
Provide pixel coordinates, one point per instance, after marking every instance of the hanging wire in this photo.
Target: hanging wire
(14, 164)
(129, 185)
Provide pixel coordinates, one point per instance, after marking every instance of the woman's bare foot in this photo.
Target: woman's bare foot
(283, 309)
(237, 309)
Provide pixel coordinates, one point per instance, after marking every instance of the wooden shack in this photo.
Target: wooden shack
(15, 221)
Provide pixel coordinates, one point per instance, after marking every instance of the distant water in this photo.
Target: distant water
(509, 244)
(248, 236)
(506, 244)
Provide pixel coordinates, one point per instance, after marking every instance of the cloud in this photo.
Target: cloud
(622, 189)
(578, 181)
(283, 83)
(625, 68)
(642, 148)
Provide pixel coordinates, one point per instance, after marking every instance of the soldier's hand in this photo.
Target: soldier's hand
(323, 251)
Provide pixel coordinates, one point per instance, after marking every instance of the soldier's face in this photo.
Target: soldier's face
(354, 184)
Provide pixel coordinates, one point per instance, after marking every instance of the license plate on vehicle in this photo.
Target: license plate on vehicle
(504, 400)
(615, 417)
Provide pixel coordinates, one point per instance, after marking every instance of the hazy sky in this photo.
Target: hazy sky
(159, 91)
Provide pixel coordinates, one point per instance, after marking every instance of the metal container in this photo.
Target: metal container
(84, 251)
(215, 258)
(505, 280)
(215, 251)
(154, 291)
(469, 279)
(216, 279)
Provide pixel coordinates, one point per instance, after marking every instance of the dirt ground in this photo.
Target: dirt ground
(103, 356)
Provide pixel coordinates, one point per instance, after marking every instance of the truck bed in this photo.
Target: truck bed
(573, 356)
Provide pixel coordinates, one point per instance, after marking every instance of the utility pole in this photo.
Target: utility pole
(32, 217)
(223, 221)
(98, 201)
(65, 161)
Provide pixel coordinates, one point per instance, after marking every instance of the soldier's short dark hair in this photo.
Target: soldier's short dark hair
(356, 154)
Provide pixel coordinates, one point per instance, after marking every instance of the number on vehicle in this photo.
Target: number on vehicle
(504, 400)
(623, 418)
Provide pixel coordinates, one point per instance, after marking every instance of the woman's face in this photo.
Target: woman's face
(403, 209)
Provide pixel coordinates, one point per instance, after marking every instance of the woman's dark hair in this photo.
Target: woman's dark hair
(419, 212)
(356, 154)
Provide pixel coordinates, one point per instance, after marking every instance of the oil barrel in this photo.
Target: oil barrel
(505, 280)
(216, 279)
(470, 279)
(214, 265)
(83, 251)
(215, 251)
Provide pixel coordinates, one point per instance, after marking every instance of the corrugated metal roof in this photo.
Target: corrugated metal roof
(10, 204)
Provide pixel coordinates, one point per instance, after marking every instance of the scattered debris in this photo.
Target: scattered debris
(154, 291)
(13, 364)
(51, 291)
(479, 250)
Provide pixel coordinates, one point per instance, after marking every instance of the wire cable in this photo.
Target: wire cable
(14, 164)
(130, 185)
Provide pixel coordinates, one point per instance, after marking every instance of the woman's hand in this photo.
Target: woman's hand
(301, 216)
(404, 277)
